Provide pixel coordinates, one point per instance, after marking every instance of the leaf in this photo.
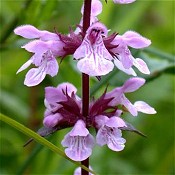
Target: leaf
(131, 128)
(39, 139)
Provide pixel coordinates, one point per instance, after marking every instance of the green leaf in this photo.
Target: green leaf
(39, 139)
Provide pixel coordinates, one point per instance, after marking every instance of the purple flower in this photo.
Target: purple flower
(79, 142)
(109, 132)
(94, 58)
(53, 98)
(119, 97)
(96, 9)
(125, 59)
(78, 171)
(55, 95)
(46, 48)
(123, 1)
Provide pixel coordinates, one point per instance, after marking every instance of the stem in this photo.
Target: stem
(85, 77)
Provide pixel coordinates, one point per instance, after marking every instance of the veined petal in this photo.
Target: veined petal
(52, 67)
(143, 107)
(135, 40)
(97, 67)
(79, 147)
(116, 144)
(25, 66)
(132, 84)
(34, 76)
(141, 66)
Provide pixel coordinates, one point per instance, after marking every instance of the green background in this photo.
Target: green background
(151, 155)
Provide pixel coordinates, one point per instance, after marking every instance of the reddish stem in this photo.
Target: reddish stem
(85, 77)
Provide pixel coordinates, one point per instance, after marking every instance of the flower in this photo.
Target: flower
(109, 132)
(54, 102)
(96, 9)
(125, 59)
(94, 58)
(79, 142)
(130, 85)
(78, 171)
(123, 1)
(46, 47)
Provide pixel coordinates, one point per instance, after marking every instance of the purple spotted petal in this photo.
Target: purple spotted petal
(111, 137)
(144, 107)
(133, 84)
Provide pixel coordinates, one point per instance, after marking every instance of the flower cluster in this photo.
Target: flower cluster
(96, 52)
(64, 109)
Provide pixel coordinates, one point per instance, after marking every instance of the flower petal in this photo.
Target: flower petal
(92, 68)
(79, 129)
(27, 31)
(135, 40)
(117, 144)
(133, 84)
(52, 120)
(34, 76)
(25, 66)
(119, 65)
(130, 107)
(143, 107)
(52, 67)
(115, 122)
(141, 66)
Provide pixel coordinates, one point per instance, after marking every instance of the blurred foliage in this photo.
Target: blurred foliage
(154, 155)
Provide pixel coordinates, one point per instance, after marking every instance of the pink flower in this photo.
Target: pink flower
(109, 132)
(125, 59)
(94, 58)
(123, 1)
(79, 142)
(96, 9)
(119, 97)
(78, 171)
(54, 102)
(46, 48)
